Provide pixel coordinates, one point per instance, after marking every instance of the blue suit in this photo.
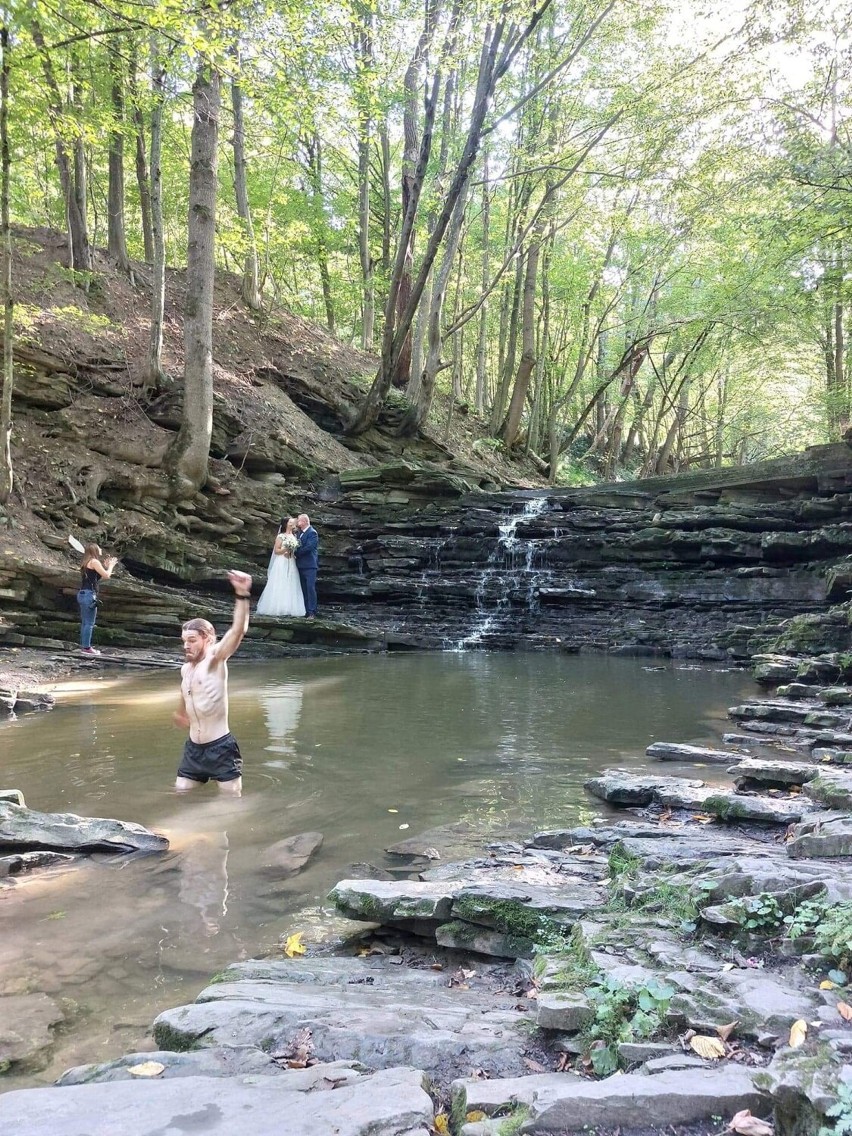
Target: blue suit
(307, 562)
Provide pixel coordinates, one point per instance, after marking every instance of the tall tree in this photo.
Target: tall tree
(116, 238)
(187, 459)
(6, 474)
(251, 276)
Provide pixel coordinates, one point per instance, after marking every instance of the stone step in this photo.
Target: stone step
(674, 751)
(390, 1102)
(558, 1103)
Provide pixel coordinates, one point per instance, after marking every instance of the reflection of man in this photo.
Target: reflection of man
(211, 752)
(204, 878)
(307, 561)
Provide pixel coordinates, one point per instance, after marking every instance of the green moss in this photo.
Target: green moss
(172, 1040)
(507, 915)
(222, 976)
(513, 1124)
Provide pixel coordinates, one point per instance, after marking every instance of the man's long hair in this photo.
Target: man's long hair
(203, 626)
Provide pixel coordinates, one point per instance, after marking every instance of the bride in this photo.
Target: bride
(283, 592)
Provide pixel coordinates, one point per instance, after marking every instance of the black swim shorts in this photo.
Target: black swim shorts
(219, 760)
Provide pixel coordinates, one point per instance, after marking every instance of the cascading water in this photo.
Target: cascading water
(510, 571)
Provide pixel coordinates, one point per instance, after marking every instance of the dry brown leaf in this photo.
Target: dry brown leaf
(710, 1047)
(745, 1124)
(146, 1069)
(845, 1011)
(725, 1032)
(534, 1066)
(474, 1116)
(798, 1033)
(442, 1124)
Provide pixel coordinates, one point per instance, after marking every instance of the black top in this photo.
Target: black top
(89, 580)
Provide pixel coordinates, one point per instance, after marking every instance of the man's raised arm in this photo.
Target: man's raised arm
(241, 583)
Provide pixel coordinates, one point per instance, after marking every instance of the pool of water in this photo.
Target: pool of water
(366, 750)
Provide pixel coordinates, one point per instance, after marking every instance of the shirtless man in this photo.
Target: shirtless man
(211, 751)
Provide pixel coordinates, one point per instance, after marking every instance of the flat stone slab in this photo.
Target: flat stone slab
(390, 1102)
(469, 1094)
(237, 1061)
(822, 835)
(23, 830)
(382, 1016)
(751, 771)
(831, 788)
(29, 861)
(632, 789)
(732, 807)
(26, 1030)
(566, 1104)
(673, 751)
(391, 901)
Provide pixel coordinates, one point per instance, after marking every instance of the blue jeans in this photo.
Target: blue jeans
(88, 615)
(308, 579)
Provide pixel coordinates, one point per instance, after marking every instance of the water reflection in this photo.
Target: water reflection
(282, 709)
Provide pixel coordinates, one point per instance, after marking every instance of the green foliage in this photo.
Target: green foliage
(512, 1124)
(758, 912)
(840, 1112)
(623, 1014)
(830, 925)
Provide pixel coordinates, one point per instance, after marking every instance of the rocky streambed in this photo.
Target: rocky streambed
(684, 969)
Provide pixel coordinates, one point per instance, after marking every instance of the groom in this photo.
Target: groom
(307, 562)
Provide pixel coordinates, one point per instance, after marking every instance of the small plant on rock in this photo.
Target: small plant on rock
(829, 924)
(758, 912)
(840, 1112)
(623, 1014)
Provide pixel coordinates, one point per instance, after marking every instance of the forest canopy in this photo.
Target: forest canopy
(614, 231)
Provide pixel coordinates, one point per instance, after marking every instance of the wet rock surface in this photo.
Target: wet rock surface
(23, 830)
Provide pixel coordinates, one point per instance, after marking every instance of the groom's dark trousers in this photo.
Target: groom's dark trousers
(307, 561)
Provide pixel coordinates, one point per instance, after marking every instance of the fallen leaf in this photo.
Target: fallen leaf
(562, 1063)
(798, 1033)
(294, 946)
(474, 1116)
(710, 1047)
(534, 1066)
(827, 984)
(146, 1069)
(725, 1032)
(442, 1124)
(747, 1125)
(845, 1011)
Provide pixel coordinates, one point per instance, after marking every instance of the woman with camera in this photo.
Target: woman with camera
(94, 567)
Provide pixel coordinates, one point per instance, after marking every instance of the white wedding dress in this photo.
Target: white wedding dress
(283, 592)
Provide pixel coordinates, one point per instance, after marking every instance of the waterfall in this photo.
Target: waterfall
(509, 571)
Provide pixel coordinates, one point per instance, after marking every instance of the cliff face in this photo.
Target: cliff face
(708, 564)
(418, 546)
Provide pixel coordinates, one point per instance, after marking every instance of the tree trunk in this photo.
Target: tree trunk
(158, 284)
(6, 475)
(512, 426)
(189, 455)
(78, 237)
(419, 409)
(362, 35)
(116, 238)
(499, 405)
(482, 343)
(142, 180)
(313, 152)
(250, 288)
